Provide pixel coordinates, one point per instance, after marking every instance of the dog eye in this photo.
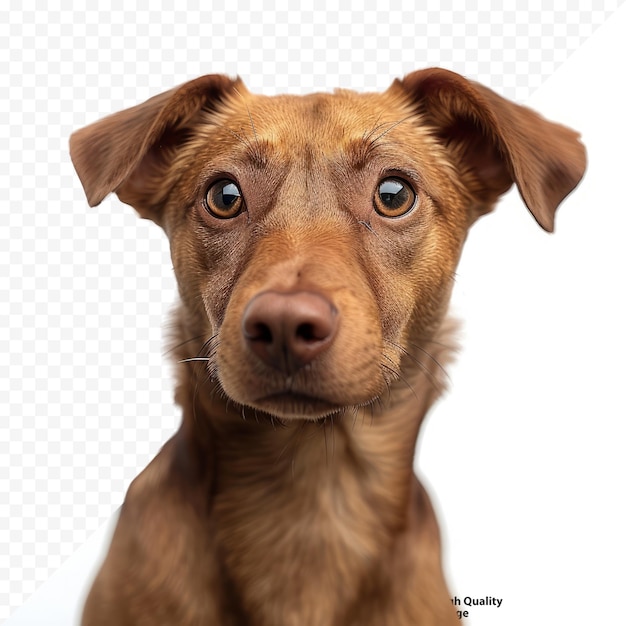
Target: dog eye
(224, 199)
(394, 198)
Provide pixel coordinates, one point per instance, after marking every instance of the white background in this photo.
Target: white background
(524, 457)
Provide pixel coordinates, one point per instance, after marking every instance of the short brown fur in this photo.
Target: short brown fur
(287, 497)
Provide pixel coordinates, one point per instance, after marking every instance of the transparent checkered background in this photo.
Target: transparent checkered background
(85, 390)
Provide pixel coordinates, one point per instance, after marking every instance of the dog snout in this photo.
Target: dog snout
(288, 330)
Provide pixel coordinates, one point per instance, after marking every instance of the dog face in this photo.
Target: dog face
(315, 238)
(330, 214)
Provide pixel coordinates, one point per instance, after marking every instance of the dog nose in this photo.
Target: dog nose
(289, 330)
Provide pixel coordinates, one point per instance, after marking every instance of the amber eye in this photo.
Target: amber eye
(224, 199)
(394, 198)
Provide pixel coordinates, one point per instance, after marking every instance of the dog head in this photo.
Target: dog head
(315, 238)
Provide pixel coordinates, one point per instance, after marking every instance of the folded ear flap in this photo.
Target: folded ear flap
(128, 152)
(497, 143)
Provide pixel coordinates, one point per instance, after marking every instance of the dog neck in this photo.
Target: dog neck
(306, 496)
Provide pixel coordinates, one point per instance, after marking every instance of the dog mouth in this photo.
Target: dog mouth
(290, 404)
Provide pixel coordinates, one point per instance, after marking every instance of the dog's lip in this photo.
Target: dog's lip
(303, 402)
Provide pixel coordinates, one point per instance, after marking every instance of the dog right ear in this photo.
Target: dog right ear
(497, 143)
(129, 152)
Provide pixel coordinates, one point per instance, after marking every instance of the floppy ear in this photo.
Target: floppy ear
(129, 152)
(497, 143)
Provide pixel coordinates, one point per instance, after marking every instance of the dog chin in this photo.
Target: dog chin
(294, 406)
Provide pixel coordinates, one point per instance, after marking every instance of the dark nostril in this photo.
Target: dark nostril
(289, 330)
(307, 332)
(258, 332)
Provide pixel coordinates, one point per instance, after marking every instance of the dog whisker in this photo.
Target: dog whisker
(183, 343)
(368, 226)
(427, 371)
(241, 138)
(194, 398)
(256, 137)
(323, 426)
(432, 357)
(399, 376)
(385, 132)
(377, 401)
(369, 133)
(367, 137)
(434, 342)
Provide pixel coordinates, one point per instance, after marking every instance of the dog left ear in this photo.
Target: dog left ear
(498, 143)
(129, 152)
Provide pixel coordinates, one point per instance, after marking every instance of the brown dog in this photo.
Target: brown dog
(314, 240)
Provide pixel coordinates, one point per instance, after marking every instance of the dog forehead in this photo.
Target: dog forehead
(326, 124)
(343, 136)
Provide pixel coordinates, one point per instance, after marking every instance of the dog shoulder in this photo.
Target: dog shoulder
(153, 566)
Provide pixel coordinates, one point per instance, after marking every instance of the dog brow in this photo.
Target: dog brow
(359, 152)
(362, 150)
